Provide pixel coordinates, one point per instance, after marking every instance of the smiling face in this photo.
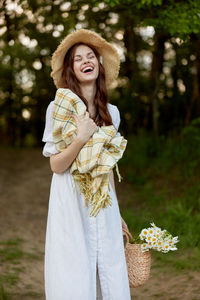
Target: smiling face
(85, 64)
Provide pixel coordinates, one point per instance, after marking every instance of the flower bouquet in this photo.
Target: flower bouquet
(157, 239)
(138, 258)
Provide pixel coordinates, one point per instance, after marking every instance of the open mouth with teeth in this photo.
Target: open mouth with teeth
(87, 69)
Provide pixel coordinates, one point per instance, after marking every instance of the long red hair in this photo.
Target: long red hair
(70, 81)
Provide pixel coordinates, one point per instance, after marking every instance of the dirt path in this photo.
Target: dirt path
(24, 182)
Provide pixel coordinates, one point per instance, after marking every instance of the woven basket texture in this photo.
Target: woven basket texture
(138, 262)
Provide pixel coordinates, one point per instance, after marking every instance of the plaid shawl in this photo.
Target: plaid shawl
(97, 157)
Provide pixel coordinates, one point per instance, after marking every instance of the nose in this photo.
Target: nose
(86, 60)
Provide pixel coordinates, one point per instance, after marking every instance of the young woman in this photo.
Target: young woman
(84, 256)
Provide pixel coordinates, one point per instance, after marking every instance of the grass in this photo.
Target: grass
(11, 251)
(12, 255)
(9, 279)
(4, 295)
(180, 261)
(164, 188)
(32, 295)
(161, 184)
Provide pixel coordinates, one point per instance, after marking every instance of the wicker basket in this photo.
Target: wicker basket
(138, 262)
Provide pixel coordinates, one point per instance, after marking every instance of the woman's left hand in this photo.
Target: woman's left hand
(124, 225)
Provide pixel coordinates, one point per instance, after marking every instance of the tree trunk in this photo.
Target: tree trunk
(11, 131)
(156, 69)
(194, 104)
(131, 66)
(174, 72)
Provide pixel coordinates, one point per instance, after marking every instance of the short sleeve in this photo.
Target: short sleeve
(114, 112)
(49, 147)
(117, 120)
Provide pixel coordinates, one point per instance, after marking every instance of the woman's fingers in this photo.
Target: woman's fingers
(124, 225)
(84, 118)
(86, 114)
(75, 118)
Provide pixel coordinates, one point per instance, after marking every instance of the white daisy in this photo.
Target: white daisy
(143, 234)
(152, 224)
(148, 238)
(160, 240)
(160, 243)
(157, 235)
(150, 244)
(166, 247)
(154, 245)
(175, 239)
(173, 248)
(159, 249)
(151, 231)
(144, 247)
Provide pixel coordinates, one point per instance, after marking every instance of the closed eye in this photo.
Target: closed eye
(79, 58)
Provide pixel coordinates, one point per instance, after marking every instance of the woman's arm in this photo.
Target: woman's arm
(63, 160)
(85, 129)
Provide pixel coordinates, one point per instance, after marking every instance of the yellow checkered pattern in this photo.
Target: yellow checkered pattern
(97, 157)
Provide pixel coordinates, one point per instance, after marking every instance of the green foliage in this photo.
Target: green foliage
(180, 18)
(14, 242)
(184, 260)
(170, 193)
(184, 151)
(113, 3)
(138, 3)
(146, 154)
(10, 279)
(4, 295)
(30, 35)
(10, 251)
(12, 255)
(143, 3)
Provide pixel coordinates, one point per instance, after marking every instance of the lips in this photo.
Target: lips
(87, 69)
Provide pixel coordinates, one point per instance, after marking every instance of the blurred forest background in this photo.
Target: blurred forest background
(158, 95)
(158, 87)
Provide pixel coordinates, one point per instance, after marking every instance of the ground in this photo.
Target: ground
(25, 179)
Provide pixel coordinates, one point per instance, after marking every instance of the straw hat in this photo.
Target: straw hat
(110, 57)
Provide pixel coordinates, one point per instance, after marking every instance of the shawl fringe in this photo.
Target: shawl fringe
(98, 200)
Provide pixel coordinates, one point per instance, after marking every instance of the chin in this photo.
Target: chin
(88, 80)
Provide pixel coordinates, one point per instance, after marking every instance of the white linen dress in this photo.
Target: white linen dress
(84, 256)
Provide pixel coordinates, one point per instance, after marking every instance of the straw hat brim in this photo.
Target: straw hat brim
(110, 57)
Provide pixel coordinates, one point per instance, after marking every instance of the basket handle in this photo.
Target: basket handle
(128, 235)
